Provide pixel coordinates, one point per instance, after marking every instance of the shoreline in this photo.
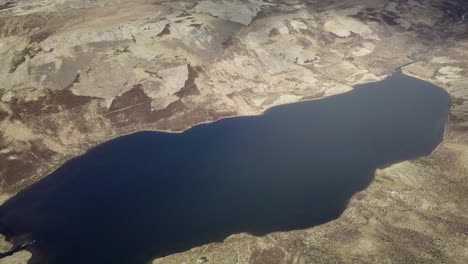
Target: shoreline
(148, 128)
(346, 206)
(3, 197)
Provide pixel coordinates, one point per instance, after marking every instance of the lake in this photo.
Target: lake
(151, 194)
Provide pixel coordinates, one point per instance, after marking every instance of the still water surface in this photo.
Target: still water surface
(150, 194)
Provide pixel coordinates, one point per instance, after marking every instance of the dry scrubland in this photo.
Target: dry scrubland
(77, 73)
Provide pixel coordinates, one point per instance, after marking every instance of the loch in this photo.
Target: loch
(296, 166)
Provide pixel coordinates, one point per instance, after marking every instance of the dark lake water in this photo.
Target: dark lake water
(150, 194)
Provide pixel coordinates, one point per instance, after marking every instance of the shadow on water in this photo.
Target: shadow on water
(151, 194)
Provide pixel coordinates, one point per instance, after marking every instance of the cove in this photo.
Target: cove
(151, 194)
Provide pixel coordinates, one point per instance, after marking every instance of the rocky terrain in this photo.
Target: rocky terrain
(77, 73)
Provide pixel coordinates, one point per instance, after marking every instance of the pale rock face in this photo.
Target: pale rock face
(162, 88)
(298, 25)
(96, 84)
(174, 78)
(283, 30)
(5, 246)
(7, 96)
(112, 33)
(343, 26)
(21, 257)
(449, 70)
(449, 74)
(365, 49)
(10, 50)
(237, 11)
(363, 76)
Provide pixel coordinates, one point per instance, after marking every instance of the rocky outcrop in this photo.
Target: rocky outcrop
(5, 246)
(78, 73)
(13, 254)
(242, 12)
(21, 257)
